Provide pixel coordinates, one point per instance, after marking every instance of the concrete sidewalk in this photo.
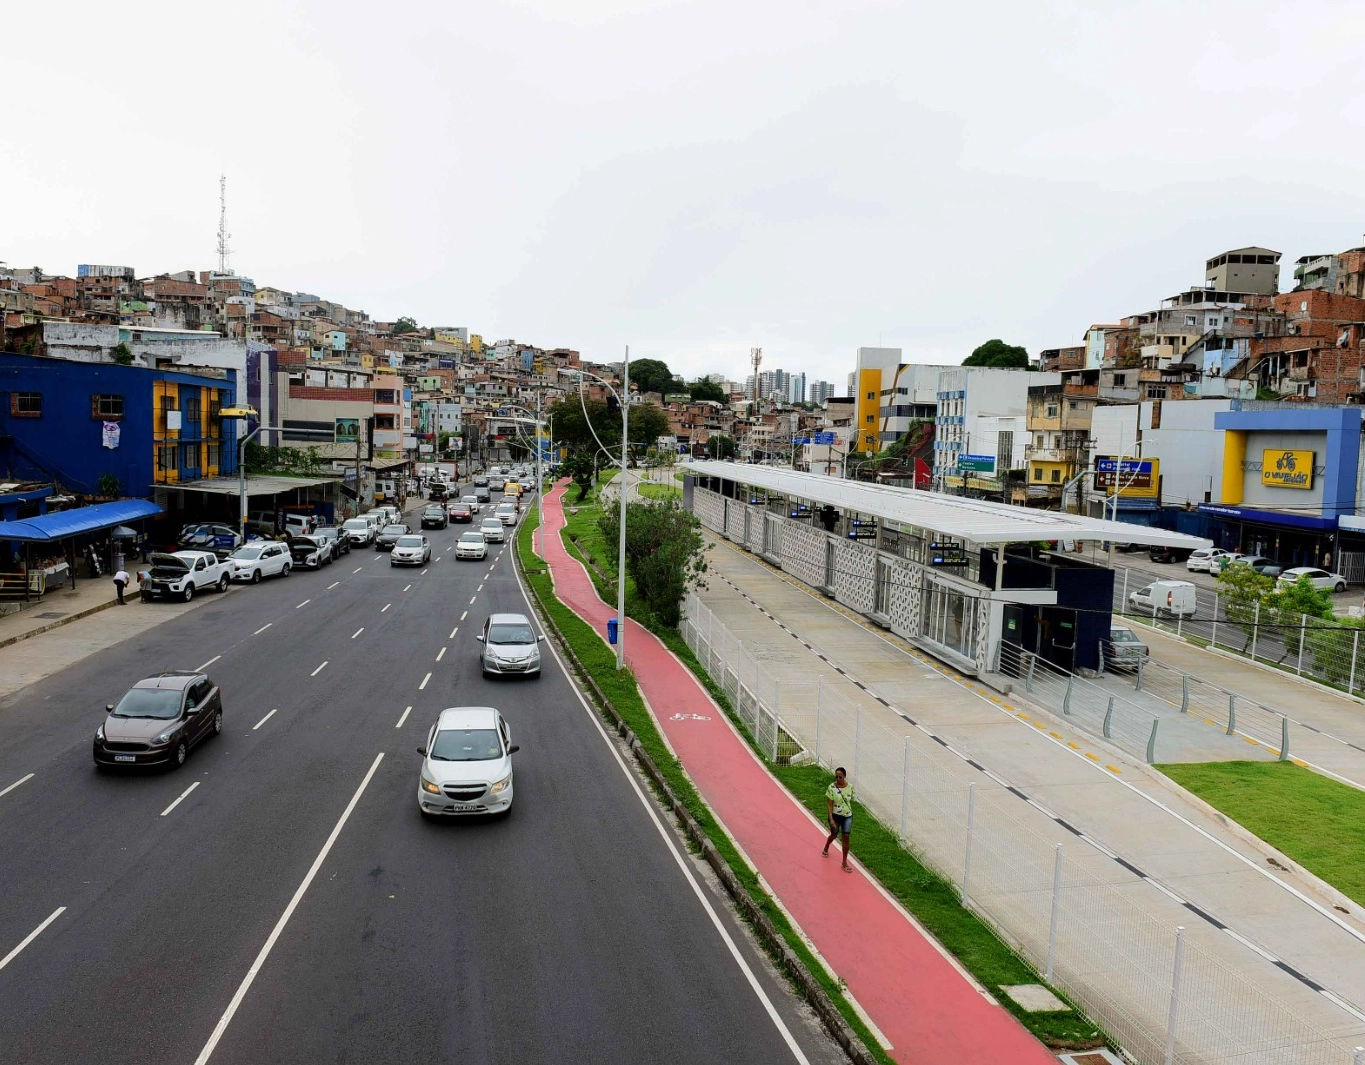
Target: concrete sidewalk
(1065, 783)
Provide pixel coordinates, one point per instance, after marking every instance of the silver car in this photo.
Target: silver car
(510, 645)
(410, 551)
(466, 764)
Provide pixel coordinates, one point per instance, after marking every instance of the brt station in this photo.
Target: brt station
(926, 565)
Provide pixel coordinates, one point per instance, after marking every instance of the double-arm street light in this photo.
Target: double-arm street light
(540, 483)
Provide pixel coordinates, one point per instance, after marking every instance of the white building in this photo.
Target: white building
(976, 406)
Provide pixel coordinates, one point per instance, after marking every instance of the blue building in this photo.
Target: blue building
(106, 429)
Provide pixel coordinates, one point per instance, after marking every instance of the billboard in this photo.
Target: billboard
(347, 430)
(1287, 469)
(1134, 476)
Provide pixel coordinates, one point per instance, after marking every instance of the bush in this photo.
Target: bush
(664, 552)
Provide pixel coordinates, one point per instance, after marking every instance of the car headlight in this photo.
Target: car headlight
(165, 735)
(430, 786)
(502, 785)
(99, 733)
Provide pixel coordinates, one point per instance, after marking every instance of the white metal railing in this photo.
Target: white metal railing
(1167, 994)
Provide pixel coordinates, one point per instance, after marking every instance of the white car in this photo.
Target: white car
(1320, 578)
(261, 559)
(1205, 559)
(466, 764)
(472, 502)
(492, 530)
(183, 573)
(410, 551)
(506, 513)
(360, 530)
(471, 545)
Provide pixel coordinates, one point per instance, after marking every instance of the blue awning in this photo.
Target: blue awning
(62, 524)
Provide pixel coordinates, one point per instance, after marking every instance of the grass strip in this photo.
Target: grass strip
(1312, 819)
(598, 665)
(651, 490)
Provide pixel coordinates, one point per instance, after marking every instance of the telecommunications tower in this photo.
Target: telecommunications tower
(224, 251)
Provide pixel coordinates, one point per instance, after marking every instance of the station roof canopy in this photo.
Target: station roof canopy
(974, 520)
(63, 524)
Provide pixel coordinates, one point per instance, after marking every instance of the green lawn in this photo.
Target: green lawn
(1311, 818)
(651, 490)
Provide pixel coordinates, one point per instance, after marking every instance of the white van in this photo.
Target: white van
(1175, 598)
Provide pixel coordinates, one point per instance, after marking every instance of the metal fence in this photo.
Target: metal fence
(1166, 994)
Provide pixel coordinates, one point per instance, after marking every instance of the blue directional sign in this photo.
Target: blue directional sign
(824, 438)
(800, 440)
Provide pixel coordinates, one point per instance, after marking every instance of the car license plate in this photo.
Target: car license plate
(465, 807)
(125, 758)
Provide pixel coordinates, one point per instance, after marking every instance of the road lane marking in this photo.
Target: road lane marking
(357, 569)
(30, 777)
(31, 936)
(462, 617)
(357, 632)
(471, 599)
(408, 587)
(478, 589)
(319, 669)
(256, 965)
(332, 585)
(406, 712)
(424, 573)
(422, 686)
(181, 799)
(303, 604)
(453, 632)
(441, 654)
(264, 719)
(200, 669)
(386, 607)
(263, 628)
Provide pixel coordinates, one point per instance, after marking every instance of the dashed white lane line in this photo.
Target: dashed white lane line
(386, 607)
(263, 628)
(30, 777)
(478, 589)
(441, 654)
(357, 632)
(423, 573)
(408, 588)
(357, 569)
(31, 936)
(259, 963)
(200, 669)
(451, 637)
(332, 585)
(462, 617)
(422, 686)
(303, 604)
(319, 669)
(406, 712)
(471, 599)
(264, 719)
(180, 799)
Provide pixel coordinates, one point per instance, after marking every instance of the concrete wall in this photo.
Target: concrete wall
(1189, 447)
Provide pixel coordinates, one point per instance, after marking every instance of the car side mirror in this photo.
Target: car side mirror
(191, 709)
(108, 708)
(540, 639)
(422, 751)
(479, 638)
(514, 748)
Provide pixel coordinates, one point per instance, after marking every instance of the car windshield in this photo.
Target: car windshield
(409, 541)
(249, 554)
(466, 745)
(162, 703)
(1122, 636)
(511, 634)
(434, 510)
(395, 530)
(472, 538)
(356, 524)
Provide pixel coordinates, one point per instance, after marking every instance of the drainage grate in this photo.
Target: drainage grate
(1090, 1057)
(52, 614)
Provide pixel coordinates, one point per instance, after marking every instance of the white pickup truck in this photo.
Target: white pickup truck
(185, 572)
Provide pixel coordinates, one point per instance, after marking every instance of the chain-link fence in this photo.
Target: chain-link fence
(1085, 922)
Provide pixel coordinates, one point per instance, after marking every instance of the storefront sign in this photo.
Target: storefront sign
(347, 430)
(111, 434)
(1287, 469)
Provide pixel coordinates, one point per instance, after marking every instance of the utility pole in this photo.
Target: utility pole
(621, 500)
(359, 494)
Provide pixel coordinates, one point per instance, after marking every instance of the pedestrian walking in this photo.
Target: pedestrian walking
(121, 580)
(144, 584)
(839, 799)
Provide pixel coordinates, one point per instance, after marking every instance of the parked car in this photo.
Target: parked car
(1319, 578)
(483, 495)
(471, 545)
(1267, 568)
(435, 518)
(389, 536)
(341, 545)
(358, 530)
(410, 551)
(472, 502)
(492, 529)
(309, 553)
(159, 720)
(1124, 650)
(436, 490)
(460, 513)
(1205, 559)
(222, 540)
(385, 515)
(1254, 561)
(261, 558)
(1176, 598)
(466, 764)
(510, 645)
(506, 513)
(182, 573)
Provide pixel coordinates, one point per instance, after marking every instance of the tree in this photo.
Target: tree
(652, 375)
(998, 355)
(122, 354)
(721, 447)
(1293, 601)
(647, 424)
(1243, 592)
(572, 426)
(580, 468)
(664, 552)
(405, 325)
(705, 388)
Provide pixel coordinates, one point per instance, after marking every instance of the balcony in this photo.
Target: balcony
(1075, 455)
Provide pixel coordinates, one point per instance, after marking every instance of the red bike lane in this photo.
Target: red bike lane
(924, 1006)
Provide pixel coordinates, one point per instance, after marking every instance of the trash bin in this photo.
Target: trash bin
(612, 626)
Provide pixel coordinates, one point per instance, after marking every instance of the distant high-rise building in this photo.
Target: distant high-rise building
(820, 391)
(796, 388)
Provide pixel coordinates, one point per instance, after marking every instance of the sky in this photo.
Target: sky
(692, 179)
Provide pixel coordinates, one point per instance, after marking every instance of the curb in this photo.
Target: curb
(58, 624)
(811, 989)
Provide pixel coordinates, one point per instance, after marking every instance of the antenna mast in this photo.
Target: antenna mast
(223, 250)
(756, 357)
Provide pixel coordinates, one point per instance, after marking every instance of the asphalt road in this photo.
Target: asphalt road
(294, 907)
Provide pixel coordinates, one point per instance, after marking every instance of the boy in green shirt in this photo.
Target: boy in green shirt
(839, 799)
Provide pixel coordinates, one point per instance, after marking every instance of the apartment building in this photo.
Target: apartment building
(1058, 423)
(982, 420)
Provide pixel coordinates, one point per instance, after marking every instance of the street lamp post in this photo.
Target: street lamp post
(1118, 473)
(250, 412)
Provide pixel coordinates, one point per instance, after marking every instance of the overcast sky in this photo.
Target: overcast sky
(691, 178)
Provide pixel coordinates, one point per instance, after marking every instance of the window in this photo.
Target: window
(213, 454)
(385, 395)
(1052, 410)
(872, 395)
(26, 404)
(107, 407)
(1037, 473)
(384, 421)
(871, 418)
(1056, 475)
(165, 457)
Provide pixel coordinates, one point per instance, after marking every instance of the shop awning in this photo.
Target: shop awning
(255, 485)
(63, 524)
